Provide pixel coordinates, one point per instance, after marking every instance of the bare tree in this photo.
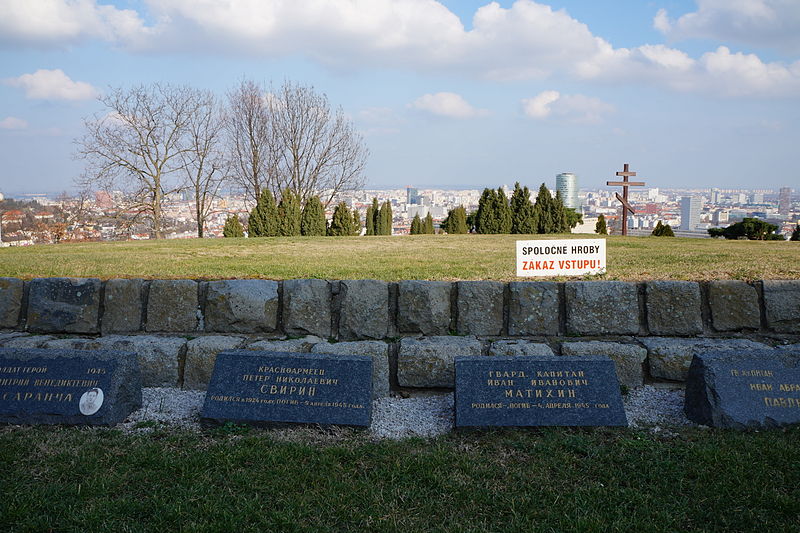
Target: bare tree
(203, 159)
(320, 150)
(138, 145)
(252, 143)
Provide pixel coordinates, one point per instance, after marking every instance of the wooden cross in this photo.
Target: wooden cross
(624, 198)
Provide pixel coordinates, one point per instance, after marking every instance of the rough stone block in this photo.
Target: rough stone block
(122, 306)
(32, 341)
(242, 306)
(519, 348)
(302, 345)
(74, 344)
(424, 307)
(307, 307)
(480, 307)
(533, 308)
(428, 362)
(10, 301)
(64, 305)
(200, 356)
(377, 350)
(602, 307)
(628, 358)
(159, 357)
(365, 309)
(734, 305)
(5, 337)
(172, 305)
(782, 303)
(673, 308)
(670, 358)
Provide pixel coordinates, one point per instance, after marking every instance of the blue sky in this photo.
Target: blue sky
(448, 94)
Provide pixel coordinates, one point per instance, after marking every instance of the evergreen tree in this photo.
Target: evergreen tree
(385, 216)
(521, 210)
(355, 229)
(312, 220)
(263, 219)
(485, 218)
(543, 220)
(416, 225)
(503, 210)
(573, 217)
(471, 218)
(560, 215)
(456, 221)
(427, 225)
(376, 217)
(369, 220)
(662, 230)
(753, 229)
(342, 221)
(232, 228)
(600, 228)
(795, 234)
(289, 214)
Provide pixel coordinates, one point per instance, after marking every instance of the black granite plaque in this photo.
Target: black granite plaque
(537, 391)
(73, 387)
(276, 387)
(753, 389)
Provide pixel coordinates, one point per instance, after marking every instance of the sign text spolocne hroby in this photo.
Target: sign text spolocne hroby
(562, 257)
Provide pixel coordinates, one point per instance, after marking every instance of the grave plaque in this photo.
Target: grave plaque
(537, 391)
(277, 387)
(72, 387)
(753, 389)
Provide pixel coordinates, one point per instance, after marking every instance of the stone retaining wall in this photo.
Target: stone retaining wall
(412, 329)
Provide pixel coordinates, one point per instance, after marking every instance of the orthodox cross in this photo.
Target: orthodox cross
(624, 198)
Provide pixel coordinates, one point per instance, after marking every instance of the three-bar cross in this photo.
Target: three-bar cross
(624, 198)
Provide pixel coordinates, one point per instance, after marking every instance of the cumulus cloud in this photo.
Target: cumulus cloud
(47, 23)
(52, 85)
(447, 105)
(568, 107)
(767, 23)
(13, 123)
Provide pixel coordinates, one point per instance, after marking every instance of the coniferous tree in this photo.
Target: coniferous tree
(485, 217)
(289, 214)
(795, 234)
(385, 216)
(600, 228)
(543, 219)
(503, 210)
(376, 217)
(456, 221)
(342, 221)
(573, 217)
(521, 210)
(312, 220)
(263, 219)
(356, 227)
(427, 225)
(232, 228)
(560, 215)
(416, 225)
(369, 221)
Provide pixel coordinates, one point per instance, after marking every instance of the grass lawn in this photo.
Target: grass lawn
(434, 257)
(69, 479)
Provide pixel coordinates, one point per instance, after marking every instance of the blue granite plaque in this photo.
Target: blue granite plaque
(753, 389)
(537, 391)
(276, 387)
(71, 387)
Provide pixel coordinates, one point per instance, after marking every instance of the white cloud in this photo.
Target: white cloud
(447, 105)
(52, 85)
(568, 107)
(768, 23)
(45, 23)
(13, 123)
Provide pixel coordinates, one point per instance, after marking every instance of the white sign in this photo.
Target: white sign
(562, 257)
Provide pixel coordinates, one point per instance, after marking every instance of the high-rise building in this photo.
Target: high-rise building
(785, 200)
(412, 195)
(567, 185)
(690, 212)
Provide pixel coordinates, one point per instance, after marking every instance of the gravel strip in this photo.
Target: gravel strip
(397, 418)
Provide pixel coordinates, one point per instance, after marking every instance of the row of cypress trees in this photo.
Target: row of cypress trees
(285, 218)
(497, 214)
(379, 219)
(421, 227)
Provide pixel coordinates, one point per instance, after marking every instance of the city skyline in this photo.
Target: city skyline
(449, 94)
